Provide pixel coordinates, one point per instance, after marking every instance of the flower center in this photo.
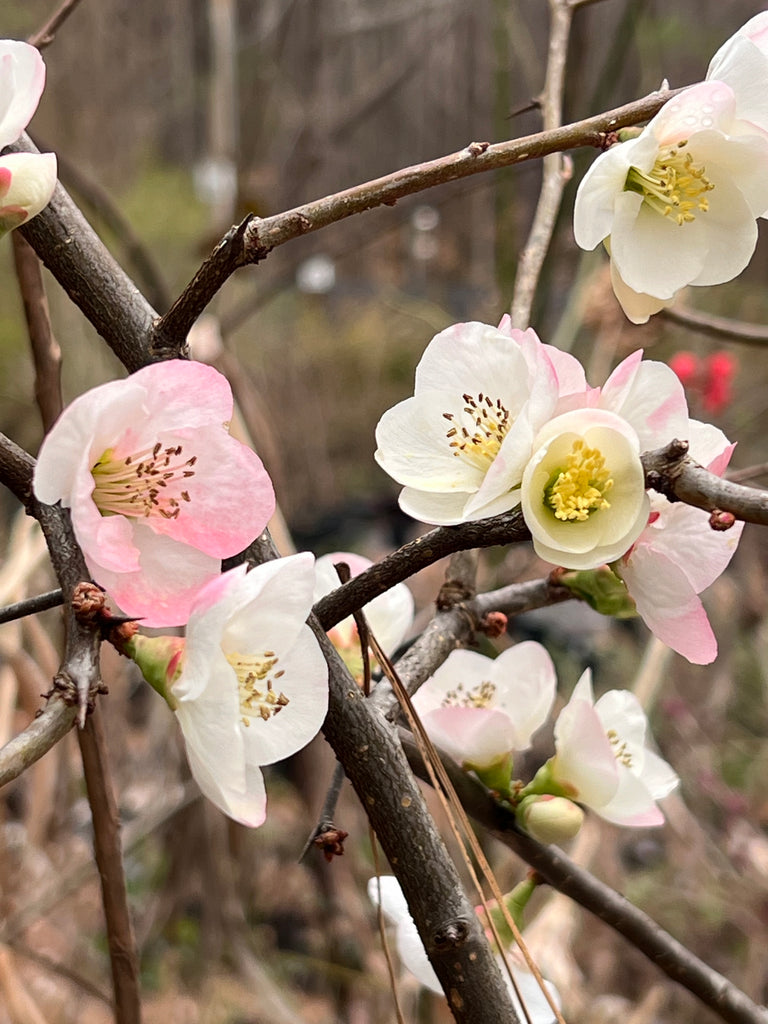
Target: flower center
(491, 422)
(621, 751)
(480, 697)
(577, 491)
(673, 187)
(254, 671)
(146, 483)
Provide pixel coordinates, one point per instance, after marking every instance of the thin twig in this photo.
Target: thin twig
(262, 235)
(44, 732)
(717, 326)
(46, 353)
(45, 35)
(109, 859)
(554, 168)
(559, 871)
(31, 605)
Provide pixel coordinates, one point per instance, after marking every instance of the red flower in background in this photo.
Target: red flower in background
(710, 380)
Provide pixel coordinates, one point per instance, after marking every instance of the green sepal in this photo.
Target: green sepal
(602, 590)
(515, 901)
(496, 777)
(160, 660)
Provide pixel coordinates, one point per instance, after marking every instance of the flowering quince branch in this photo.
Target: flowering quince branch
(559, 871)
(717, 326)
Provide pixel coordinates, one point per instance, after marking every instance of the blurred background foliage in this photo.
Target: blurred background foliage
(173, 120)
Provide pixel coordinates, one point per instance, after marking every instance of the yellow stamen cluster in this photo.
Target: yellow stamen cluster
(491, 422)
(673, 187)
(146, 483)
(254, 671)
(480, 697)
(620, 748)
(579, 490)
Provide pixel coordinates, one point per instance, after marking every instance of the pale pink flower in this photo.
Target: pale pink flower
(678, 555)
(249, 684)
(27, 180)
(386, 891)
(460, 444)
(479, 709)
(602, 759)
(158, 489)
(583, 491)
(677, 205)
(742, 63)
(389, 616)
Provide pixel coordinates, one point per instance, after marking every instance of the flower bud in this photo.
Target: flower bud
(27, 181)
(549, 819)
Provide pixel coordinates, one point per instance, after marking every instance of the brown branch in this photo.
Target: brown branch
(172, 330)
(670, 471)
(717, 326)
(262, 235)
(506, 528)
(368, 749)
(669, 955)
(109, 859)
(554, 170)
(31, 606)
(46, 353)
(45, 35)
(86, 270)
(51, 725)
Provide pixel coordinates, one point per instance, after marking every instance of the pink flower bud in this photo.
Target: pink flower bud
(550, 819)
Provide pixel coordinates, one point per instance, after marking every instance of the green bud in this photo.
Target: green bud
(549, 819)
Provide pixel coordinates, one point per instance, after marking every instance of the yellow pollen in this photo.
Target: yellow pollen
(674, 187)
(620, 748)
(480, 697)
(152, 482)
(577, 491)
(485, 425)
(255, 681)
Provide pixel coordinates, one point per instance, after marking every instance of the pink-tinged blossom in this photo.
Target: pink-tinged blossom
(602, 760)
(159, 490)
(678, 555)
(386, 892)
(22, 80)
(583, 491)
(460, 444)
(742, 63)
(479, 710)
(249, 684)
(27, 180)
(677, 205)
(389, 616)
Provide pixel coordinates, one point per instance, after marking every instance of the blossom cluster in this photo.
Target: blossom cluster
(677, 204)
(482, 711)
(159, 493)
(499, 420)
(27, 180)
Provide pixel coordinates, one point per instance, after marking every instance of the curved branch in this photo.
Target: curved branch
(559, 871)
(506, 528)
(670, 471)
(86, 270)
(53, 723)
(263, 234)
(717, 326)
